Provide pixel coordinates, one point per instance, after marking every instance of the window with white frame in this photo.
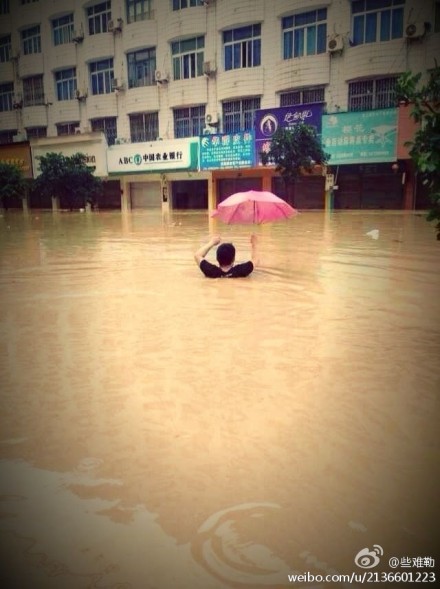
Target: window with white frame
(242, 47)
(101, 75)
(139, 10)
(305, 33)
(6, 96)
(189, 122)
(372, 94)
(239, 115)
(67, 128)
(181, 4)
(4, 7)
(62, 29)
(36, 132)
(31, 40)
(144, 126)
(98, 16)
(312, 95)
(188, 58)
(33, 91)
(5, 48)
(65, 82)
(376, 20)
(141, 66)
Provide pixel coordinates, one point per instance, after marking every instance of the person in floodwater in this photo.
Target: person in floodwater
(226, 259)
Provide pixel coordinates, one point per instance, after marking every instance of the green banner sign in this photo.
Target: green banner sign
(360, 137)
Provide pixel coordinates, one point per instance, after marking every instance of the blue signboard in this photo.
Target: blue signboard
(269, 120)
(360, 137)
(233, 150)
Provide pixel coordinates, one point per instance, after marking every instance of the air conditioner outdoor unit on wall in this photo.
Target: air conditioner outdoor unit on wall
(114, 26)
(208, 69)
(160, 77)
(335, 43)
(18, 137)
(415, 30)
(77, 36)
(77, 130)
(117, 85)
(211, 120)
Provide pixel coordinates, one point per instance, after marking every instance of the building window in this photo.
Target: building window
(101, 73)
(189, 122)
(98, 17)
(31, 40)
(67, 128)
(181, 4)
(242, 47)
(144, 127)
(437, 18)
(33, 91)
(65, 81)
(4, 9)
(377, 20)
(303, 96)
(141, 68)
(372, 94)
(35, 132)
(239, 115)
(62, 30)
(188, 58)
(5, 48)
(107, 126)
(305, 33)
(138, 10)
(6, 96)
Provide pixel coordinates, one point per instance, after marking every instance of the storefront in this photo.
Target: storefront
(18, 154)
(363, 150)
(159, 175)
(93, 146)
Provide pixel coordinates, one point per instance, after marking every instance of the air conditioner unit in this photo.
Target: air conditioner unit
(77, 130)
(17, 102)
(335, 43)
(160, 77)
(114, 27)
(77, 36)
(117, 85)
(211, 120)
(415, 30)
(19, 137)
(208, 70)
(121, 140)
(80, 95)
(206, 2)
(15, 55)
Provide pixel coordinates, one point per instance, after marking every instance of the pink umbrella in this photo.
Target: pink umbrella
(253, 206)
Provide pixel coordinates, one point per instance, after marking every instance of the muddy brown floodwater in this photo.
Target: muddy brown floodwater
(160, 430)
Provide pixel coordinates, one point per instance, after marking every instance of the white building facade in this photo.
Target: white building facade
(143, 71)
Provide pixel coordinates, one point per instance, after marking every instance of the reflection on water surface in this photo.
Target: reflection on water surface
(162, 430)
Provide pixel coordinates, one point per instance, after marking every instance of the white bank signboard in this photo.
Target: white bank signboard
(149, 157)
(93, 150)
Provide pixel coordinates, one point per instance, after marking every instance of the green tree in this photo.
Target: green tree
(424, 97)
(12, 182)
(68, 178)
(294, 152)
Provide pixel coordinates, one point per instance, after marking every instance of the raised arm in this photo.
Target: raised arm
(203, 251)
(255, 257)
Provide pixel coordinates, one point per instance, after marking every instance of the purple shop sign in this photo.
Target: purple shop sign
(268, 120)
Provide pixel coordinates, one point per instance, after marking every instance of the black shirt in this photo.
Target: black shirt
(237, 271)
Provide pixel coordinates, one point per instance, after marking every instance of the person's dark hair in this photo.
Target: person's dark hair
(225, 254)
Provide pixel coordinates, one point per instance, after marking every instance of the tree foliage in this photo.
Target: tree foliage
(294, 151)
(424, 97)
(12, 182)
(68, 178)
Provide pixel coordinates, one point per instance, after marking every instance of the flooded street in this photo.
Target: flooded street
(160, 430)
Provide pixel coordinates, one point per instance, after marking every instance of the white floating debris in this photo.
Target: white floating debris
(374, 234)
